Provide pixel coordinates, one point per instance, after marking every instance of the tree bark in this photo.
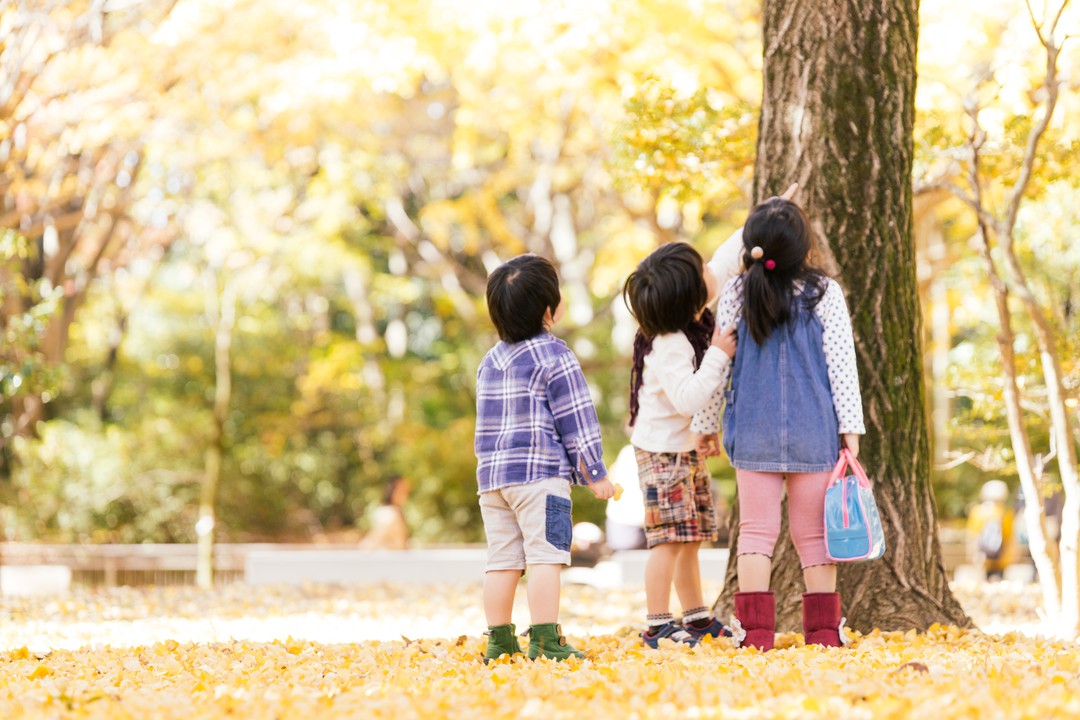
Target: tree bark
(222, 311)
(837, 116)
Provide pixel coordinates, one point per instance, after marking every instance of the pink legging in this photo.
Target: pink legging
(759, 513)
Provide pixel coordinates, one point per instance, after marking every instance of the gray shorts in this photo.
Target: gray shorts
(528, 525)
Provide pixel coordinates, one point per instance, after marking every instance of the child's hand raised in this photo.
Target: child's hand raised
(726, 339)
(603, 490)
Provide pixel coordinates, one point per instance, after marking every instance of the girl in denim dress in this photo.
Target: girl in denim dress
(792, 402)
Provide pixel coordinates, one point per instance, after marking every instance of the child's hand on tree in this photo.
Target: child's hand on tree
(726, 339)
(851, 442)
(603, 489)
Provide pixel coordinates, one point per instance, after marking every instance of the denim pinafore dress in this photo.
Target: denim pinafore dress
(778, 413)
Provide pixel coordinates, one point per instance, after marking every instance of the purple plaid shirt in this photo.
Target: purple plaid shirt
(535, 417)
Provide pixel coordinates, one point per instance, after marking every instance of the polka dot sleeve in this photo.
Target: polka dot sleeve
(839, 344)
(729, 311)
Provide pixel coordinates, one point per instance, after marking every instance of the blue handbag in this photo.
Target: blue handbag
(852, 524)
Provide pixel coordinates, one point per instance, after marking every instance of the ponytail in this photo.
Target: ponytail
(777, 240)
(766, 301)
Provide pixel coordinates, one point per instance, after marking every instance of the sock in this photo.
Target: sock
(657, 621)
(699, 617)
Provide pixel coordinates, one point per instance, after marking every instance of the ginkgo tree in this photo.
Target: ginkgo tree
(1006, 157)
(71, 144)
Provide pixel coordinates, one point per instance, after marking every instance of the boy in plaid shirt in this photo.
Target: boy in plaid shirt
(536, 434)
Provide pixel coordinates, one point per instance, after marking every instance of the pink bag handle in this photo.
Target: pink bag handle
(856, 468)
(846, 459)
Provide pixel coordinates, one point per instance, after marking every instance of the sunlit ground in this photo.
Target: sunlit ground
(124, 617)
(413, 652)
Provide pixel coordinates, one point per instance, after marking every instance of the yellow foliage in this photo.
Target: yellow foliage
(943, 672)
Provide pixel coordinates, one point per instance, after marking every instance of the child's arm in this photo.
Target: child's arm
(687, 389)
(575, 419)
(707, 420)
(726, 262)
(838, 342)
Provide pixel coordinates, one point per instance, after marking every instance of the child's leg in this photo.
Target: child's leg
(505, 559)
(543, 512)
(755, 572)
(759, 527)
(499, 589)
(659, 574)
(820, 578)
(544, 588)
(806, 500)
(687, 567)
(688, 576)
(821, 602)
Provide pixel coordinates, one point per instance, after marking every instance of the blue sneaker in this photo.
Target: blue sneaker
(715, 629)
(670, 630)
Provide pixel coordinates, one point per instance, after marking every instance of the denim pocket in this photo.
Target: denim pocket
(560, 528)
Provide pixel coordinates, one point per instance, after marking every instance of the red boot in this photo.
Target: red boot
(756, 614)
(821, 619)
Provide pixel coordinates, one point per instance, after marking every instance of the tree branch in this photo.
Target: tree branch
(1035, 23)
(1034, 137)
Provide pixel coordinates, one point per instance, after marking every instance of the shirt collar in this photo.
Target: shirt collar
(505, 353)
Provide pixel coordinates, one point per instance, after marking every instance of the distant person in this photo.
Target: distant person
(388, 528)
(793, 402)
(587, 546)
(990, 530)
(536, 433)
(1053, 507)
(625, 523)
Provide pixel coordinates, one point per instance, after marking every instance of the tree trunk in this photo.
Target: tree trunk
(1060, 427)
(223, 314)
(932, 253)
(837, 116)
(1018, 433)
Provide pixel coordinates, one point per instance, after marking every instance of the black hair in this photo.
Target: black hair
(780, 228)
(666, 294)
(519, 293)
(667, 290)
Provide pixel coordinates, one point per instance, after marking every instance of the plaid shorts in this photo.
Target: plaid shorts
(679, 504)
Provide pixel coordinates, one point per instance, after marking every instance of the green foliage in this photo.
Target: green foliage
(24, 372)
(82, 481)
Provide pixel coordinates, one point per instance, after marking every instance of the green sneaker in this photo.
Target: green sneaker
(501, 641)
(547, 640)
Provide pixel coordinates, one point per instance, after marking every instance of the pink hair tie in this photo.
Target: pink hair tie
(770, 264)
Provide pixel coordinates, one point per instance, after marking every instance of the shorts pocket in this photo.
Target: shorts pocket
(559, 527)
(675, 500)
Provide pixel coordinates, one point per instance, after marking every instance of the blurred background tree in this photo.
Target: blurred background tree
(354, 170)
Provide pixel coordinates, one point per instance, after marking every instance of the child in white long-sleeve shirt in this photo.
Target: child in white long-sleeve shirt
(679, 361)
